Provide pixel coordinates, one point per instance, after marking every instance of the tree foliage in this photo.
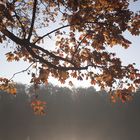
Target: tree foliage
(82, 30)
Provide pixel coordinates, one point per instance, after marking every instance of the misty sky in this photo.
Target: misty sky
(129, 55)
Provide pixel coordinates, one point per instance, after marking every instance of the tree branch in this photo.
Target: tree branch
(64, 26)
(51, 54)
(52, 32)
(21, 71)
(33, 19)
(79, 45)
(26, 44)
(11, 36)
(22, 27)
(42, 60)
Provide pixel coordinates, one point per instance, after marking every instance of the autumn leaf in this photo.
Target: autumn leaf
(10, 56)
(38, 107)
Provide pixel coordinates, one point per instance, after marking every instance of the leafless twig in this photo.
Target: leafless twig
(21, 71)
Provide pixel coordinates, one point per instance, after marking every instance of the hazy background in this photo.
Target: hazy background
(80, 114)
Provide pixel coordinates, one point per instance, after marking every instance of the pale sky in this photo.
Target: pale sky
(130, 55)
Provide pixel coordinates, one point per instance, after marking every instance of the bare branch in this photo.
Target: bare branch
(21, 71)
(52, 32)
(64, 26)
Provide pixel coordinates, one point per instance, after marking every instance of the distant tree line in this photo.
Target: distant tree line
(80, 113)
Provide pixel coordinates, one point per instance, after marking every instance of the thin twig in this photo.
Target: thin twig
(21, 71)
(79, 44)
(52, 32)
(64, 26)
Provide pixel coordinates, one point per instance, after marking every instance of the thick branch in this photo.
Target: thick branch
(33, 19)
(22, 43)
(26, 44)
(51, 54)
(10, 35)
(42, 60)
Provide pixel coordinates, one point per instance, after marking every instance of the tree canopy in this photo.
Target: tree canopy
(82, 30)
